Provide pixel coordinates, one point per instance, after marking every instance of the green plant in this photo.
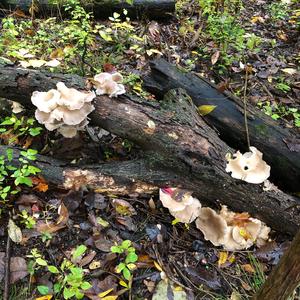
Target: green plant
(278, 10)
(28, 220)
(127, 258)
(283, 86)
(21, 174)
(46, 236)
(15, 127)
(69, 279)
(280, 111)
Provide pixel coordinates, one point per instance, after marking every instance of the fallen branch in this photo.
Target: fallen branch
(183, 146)
(7, 270)
(228, 119)
(153, 9)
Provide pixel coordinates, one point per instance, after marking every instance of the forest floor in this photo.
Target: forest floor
(216, 42)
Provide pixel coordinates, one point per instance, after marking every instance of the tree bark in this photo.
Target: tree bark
(180, 145)
(153, 9)
(227, 118)
(285, 277)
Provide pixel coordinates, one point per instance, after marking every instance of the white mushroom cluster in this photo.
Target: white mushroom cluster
(249, 166)
(180, 203)
(65, 109)
(228, 230)
(231, 230)
(109, 84)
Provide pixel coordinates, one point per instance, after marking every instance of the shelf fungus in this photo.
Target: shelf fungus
(180, 203)
(249, 166)
(65, 109)
(233, 231)
(109, 84)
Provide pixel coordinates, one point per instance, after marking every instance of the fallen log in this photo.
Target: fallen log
(181, 144)
(153, 9)
(228, 119)
(285, 277)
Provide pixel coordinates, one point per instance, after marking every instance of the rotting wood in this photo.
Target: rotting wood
(153, 9)
(285, 277)
(181, 145)
(227, 118)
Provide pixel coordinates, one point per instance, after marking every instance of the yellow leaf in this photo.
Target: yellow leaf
(222, 258)
(289, 71)
(110, 298)
(103, 294)
(46, 297)
(157, 266)
(206, 109)
(123, 283)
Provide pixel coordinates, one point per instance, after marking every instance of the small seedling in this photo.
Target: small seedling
(28, 220)
(127, 260)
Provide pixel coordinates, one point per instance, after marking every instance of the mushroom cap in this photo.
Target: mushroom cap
(103, 77)
(72, 117)
(45, 101)
(189, 213)
(227, 214)
(213, 226)
(72, 98)
(249, 166)
(173, 201)
(67, 131)
(107, 83)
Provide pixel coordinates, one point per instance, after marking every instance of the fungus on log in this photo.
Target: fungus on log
(265, 134)
(179, 144)
(153, 9)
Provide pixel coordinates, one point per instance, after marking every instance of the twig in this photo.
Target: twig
(245, 107)
(7, 270)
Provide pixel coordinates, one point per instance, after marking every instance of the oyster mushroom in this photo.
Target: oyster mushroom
(181, 204)
(109, 84)
(64, 109)
(249, 166)
(212, 225)
(45, 101)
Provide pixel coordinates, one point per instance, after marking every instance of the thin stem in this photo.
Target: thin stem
(245, 107)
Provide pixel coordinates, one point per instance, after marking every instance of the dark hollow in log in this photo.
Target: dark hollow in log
(181, 142)
(285, 277)
(153, 9)
(228, 120)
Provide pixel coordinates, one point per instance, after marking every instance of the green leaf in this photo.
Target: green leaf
(41, 262)
(23, 180)
(85, 285)
(9, 154)
(126, 244)
(116, 249)
(126, 273)
(57, 287)
(79, 251)
(206, 109)
(131, 258)
(53, 269)
(68, 293)
(43, 289)
(120, 267)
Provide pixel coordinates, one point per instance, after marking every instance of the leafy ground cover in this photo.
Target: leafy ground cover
(104, 247)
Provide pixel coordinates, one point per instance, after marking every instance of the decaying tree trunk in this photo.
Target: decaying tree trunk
(228, 119)
(153, 9)
(181, 146)
(285, 277)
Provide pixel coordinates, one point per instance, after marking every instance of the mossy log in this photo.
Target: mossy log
(228, 119)
(181, 146)
(153, 9)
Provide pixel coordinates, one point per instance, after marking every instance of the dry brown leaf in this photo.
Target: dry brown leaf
(61, 222)
(215, 57)
(248, 268)
(18, 269)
